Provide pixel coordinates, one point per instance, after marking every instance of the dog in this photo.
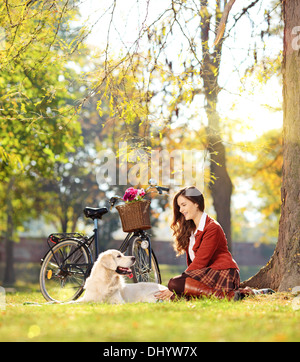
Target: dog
(106, 282)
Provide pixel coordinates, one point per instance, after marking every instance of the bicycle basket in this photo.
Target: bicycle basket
(135, 216)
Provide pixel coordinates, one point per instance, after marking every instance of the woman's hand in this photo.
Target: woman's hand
(164, 295)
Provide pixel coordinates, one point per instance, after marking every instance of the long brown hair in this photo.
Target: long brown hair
(182, 228)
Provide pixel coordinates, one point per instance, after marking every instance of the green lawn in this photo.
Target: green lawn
(264, 318)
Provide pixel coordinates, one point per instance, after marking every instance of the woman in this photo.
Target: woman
(211, 269)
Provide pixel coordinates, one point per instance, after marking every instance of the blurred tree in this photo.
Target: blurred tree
(74, 184)
(260, 163)
(37, 123)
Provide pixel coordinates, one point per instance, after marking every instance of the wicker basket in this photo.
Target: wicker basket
(135, 216)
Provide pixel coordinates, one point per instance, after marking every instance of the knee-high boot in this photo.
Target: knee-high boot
(196, 288)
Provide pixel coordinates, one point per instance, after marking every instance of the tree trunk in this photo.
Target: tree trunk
(9, 273)
(283, 270)
(220, 185)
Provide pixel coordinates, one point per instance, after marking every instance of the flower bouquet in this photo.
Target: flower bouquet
(132, 195)
(135, 213)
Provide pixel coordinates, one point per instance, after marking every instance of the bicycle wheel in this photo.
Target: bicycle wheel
(139, 248)
(64, 271)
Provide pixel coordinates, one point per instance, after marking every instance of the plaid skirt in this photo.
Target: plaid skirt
(224, 280)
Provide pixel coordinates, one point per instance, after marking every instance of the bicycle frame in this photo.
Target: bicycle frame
(86, 243)
(96, 237)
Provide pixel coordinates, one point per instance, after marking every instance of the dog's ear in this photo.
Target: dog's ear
(108, 262)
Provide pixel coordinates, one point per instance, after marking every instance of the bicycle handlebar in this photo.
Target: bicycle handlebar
(160, 189)
(113, 201)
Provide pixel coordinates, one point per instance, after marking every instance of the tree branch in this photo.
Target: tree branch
(223, 21)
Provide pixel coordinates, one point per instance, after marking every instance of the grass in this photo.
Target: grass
(264, 318)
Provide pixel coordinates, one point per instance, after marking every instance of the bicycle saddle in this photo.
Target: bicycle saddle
(94, 213)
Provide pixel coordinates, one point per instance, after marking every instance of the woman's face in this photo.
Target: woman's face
(189, 209)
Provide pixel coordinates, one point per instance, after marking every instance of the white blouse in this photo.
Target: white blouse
(192, 237)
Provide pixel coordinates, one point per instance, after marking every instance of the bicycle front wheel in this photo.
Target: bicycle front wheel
(64, 271)
(142, 270)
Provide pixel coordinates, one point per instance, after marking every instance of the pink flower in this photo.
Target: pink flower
(132, 194)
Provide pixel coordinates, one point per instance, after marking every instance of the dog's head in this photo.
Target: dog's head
(114, 260)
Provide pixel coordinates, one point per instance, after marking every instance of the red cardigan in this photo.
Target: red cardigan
(211, 249)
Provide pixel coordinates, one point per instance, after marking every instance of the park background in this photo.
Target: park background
(77, 103)
(80, 77)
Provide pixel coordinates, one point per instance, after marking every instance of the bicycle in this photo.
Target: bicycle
(70, 259)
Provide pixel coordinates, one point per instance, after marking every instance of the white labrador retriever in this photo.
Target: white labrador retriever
(106, 282)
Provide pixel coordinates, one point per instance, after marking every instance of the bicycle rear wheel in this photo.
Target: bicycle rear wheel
(139, 248)
(64, 271)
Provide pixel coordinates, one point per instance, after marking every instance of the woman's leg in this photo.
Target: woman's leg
(177, 284)
(183, 285)
(196, 288)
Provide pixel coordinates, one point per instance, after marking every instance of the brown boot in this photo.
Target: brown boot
(196, 288)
